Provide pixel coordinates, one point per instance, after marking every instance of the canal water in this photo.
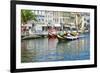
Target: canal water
(45, 49)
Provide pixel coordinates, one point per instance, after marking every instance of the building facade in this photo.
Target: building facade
(60, 19)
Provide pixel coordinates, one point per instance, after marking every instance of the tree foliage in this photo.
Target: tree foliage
(27, 15)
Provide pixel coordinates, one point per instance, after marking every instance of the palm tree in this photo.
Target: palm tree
(27, 15)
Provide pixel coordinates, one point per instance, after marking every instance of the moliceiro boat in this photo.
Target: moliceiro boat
(68, 36)
(52, 33)
(71, 37)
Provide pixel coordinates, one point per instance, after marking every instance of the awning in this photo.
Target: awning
(27, 25)
(57, 25)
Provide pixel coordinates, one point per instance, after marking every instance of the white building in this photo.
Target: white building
(59, 19)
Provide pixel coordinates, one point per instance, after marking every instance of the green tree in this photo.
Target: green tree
(27, 15)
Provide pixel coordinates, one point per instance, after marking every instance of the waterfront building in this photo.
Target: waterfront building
(85, 22)
(60, 20)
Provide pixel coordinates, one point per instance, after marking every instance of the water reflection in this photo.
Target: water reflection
(44, 49)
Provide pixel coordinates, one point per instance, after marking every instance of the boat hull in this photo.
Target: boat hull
(52, 36)
(62, 38)
(72, 37)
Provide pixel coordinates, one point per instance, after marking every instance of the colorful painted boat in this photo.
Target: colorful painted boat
(72, 37)
(52, 33)
(60, 37)
(68, 37)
